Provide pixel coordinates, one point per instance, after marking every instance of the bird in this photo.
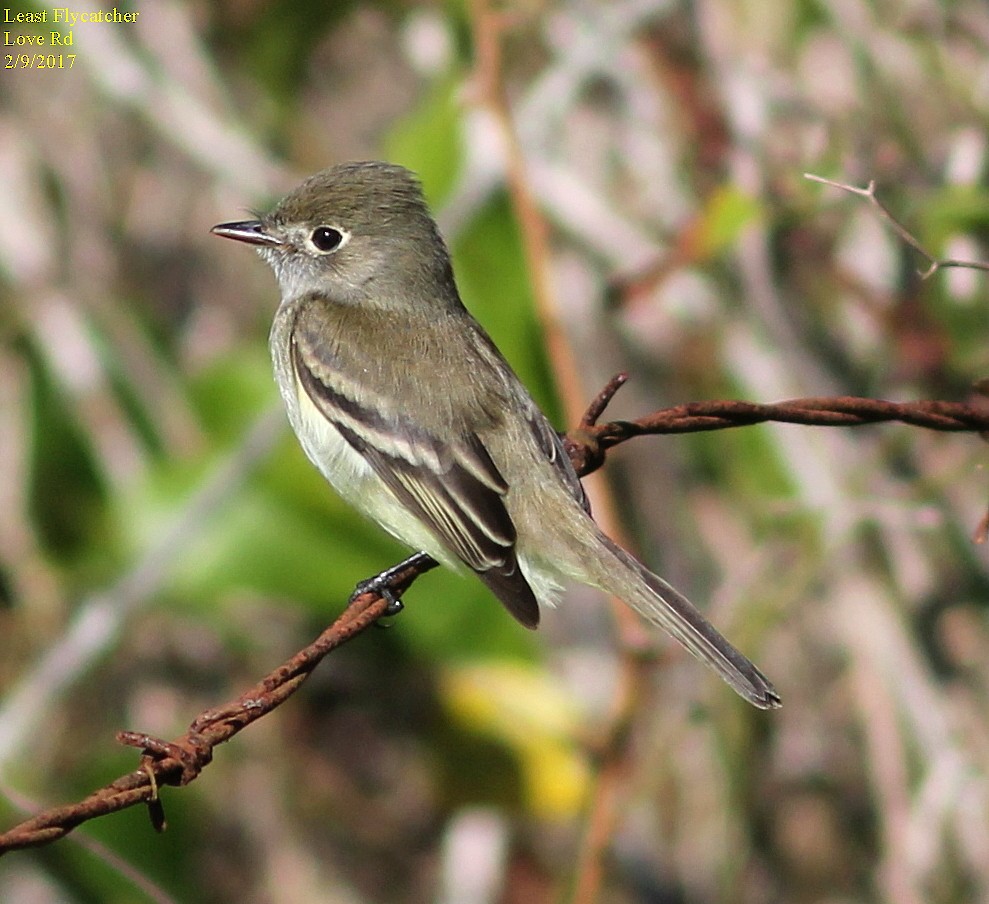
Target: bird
(403, 402)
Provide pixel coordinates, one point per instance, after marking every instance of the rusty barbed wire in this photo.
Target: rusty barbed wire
(181, 761)
(589, 442)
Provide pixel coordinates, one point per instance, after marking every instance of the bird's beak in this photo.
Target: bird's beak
(251, 231)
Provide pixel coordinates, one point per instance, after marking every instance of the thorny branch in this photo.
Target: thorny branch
(180, 761)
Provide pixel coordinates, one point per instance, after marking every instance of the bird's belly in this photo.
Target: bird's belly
(338, 461)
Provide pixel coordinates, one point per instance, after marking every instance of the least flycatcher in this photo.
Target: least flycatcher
(402, 401)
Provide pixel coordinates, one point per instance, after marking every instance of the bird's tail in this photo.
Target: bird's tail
(664, 606)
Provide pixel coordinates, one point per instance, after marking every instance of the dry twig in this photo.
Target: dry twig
(869, 193)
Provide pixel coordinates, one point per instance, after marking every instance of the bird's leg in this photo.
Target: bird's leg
(383, 584)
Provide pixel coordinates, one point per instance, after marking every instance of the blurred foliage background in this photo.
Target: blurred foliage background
(164, 542)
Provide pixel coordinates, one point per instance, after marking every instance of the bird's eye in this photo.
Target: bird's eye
(326, 238)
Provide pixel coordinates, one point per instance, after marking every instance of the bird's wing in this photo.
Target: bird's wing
(552, 446)
(454, 488)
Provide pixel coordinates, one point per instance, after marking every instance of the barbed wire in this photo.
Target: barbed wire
(181, 761)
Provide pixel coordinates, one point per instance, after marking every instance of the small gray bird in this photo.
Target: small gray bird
(402, 401)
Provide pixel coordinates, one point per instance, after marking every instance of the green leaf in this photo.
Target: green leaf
(726, 213)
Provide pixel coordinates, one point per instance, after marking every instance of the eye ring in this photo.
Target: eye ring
(327, 239)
